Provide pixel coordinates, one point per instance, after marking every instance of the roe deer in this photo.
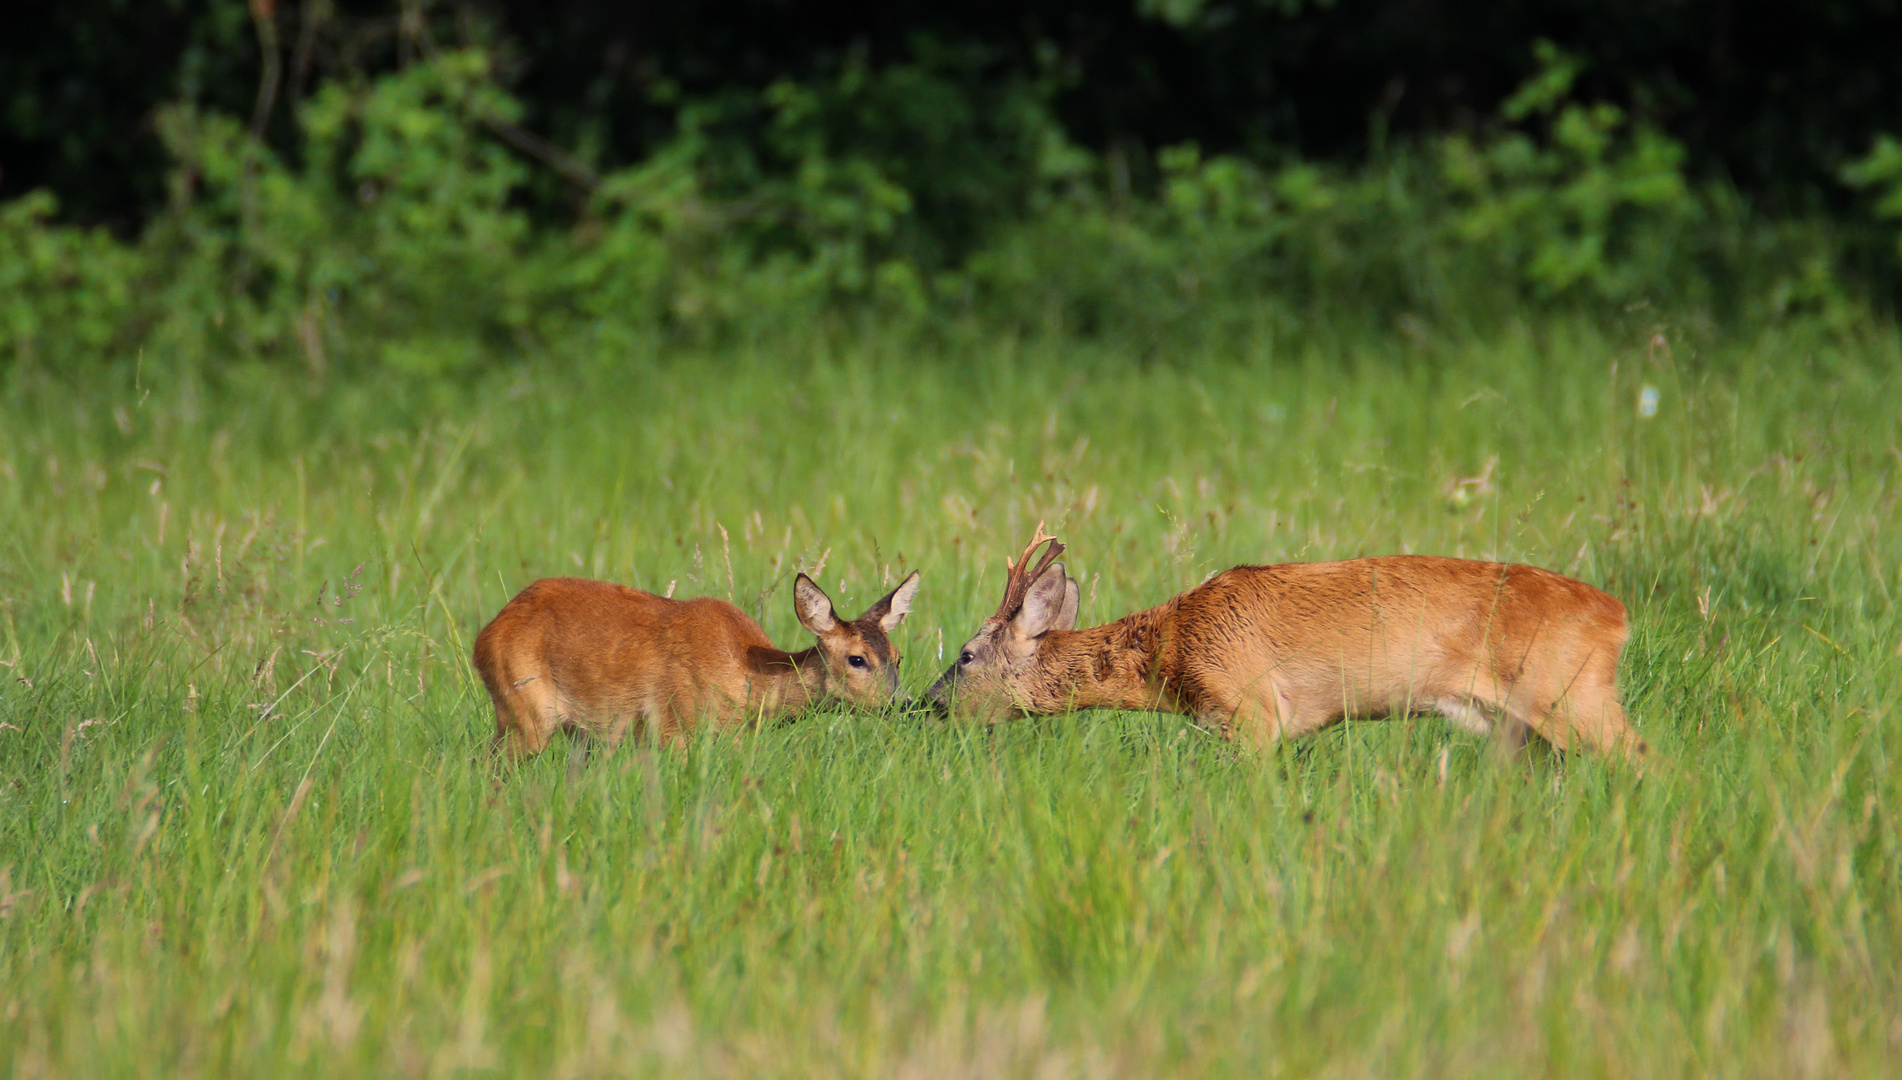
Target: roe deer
(1283, 650)
(593, 658)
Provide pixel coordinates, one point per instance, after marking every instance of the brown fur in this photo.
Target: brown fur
(597, 659)
(1283, 650)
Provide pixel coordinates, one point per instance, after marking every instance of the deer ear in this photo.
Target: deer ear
(892, 609)
(1072, 599)
(1043, 605)
(813, 607)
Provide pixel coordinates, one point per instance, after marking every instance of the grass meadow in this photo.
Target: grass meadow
(246, 827)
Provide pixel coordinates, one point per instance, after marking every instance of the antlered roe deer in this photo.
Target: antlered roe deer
(1283, 650)
(595, 658)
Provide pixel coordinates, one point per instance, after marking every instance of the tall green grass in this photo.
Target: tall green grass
(246, 828)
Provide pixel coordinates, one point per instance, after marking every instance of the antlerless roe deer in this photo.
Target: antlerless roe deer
(596, 658)
(1283, 650)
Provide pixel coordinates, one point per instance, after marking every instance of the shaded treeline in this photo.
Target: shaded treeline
(434, 187)
(1774, 98)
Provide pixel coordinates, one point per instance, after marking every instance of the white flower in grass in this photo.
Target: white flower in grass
(1648, 402)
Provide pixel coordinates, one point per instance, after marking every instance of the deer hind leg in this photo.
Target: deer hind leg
(1590, 715)
(1583, 713)
(1604, 725)
(528, 710)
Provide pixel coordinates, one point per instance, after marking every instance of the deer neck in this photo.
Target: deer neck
(784, 682)
(1113, 666)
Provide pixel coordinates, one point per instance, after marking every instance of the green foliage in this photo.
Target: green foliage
(64, 291)
(1564, 205)
(1881, 169)
(1186, 13)
(709, 231)
(393, 244)
(1597, 204)
(1230, 248)
(398, 242)
(852, 190)
(1774, 97)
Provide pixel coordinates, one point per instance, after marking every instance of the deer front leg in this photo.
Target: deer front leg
(1260, 712)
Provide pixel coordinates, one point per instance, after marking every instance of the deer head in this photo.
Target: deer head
(987, 679)
(861, 663)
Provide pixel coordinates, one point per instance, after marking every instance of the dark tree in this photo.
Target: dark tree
(1773, 96)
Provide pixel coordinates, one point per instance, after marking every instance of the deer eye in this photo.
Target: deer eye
(855, 660)
(965, 658)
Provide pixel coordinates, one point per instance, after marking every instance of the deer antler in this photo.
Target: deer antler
(1016, 581)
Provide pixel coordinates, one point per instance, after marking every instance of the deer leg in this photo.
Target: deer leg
(521, 742)
(1215, 704)
(662, 721)
(1265, 712)
(1584, 712)
(1612, 728)
(1597, 712)
(579, 747)
(1600, 726)
(1591, 720)
(505, 722)
(641, 721)
(534, 708)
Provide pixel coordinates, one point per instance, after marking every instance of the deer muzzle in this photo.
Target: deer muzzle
(938, 698)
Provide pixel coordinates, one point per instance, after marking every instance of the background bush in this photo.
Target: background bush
(414, 190)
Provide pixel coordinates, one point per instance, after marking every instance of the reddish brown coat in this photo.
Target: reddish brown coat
(597, 659)
(1283, 650)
